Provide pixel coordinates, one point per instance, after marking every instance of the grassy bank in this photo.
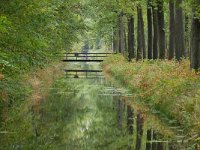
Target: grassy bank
(166, 86)
(27, 89)
(21, 105)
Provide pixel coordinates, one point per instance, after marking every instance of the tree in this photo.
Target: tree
(140, 124)
(130, 113)
(122, 41)
(149, 136)
(179, 31)
(115, 39)
(36, 31)
(171, 30)
(141, 51)
(155, 35)
(150, 34)
(161, 29)
(130, 121)
(131, 44)
(195, 38)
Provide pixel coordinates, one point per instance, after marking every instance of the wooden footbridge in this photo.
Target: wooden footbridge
(84, 57)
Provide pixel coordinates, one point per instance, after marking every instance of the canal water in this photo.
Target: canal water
(92, 114)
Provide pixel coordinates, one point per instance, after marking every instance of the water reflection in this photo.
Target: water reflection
(83, 114)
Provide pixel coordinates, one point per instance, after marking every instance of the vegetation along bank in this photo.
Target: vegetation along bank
(166, 86)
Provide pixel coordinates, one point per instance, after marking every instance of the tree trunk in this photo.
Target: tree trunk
(120, 111)
(160, 146)
(125, 40)
(130, 119)
(143, 37)
(150, 35)
(140, 35)
(121, 34)
(187, 34)
(155, 36)
(115, 40)
(179, 32)
(140, 123)
(130, 122)
(131, 44)
(161, 29)
(154, 144)
(195, 43)
(171, 30)
(148, 144)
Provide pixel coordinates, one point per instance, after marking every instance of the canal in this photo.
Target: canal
(92, 114)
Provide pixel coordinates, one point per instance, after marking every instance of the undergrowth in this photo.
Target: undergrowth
(26, 87)
(167, 86)
(20, 104)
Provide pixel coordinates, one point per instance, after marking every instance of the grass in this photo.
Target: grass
(167, 86)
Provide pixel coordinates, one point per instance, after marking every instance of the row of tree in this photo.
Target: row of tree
(172, 26)
(156, 44)
(33, 32)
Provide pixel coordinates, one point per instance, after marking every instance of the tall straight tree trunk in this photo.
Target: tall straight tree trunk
(195, 41)
(121, 34)
(115, 40)
(140, 35)
(154, 144)
(155, 35)
(148, 144)
(131, 43)
(143, 36)
(187, 35)
(150, 34)
(171, 30)
(120, 110)
(130, 122)
(130, 119)
(179, 32)
(161, 29)
(125, 40)
(140, 124)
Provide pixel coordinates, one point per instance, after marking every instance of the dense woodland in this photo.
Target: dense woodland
(153, 38)
(153, 29)
(34, 32)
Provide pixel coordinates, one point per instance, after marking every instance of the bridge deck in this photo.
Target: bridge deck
(85, 57)
(72, 70)
(81, 60)
(90, 53)
(83, 73)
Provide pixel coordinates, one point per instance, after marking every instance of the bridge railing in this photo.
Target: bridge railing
(85, 57)
(83, 73)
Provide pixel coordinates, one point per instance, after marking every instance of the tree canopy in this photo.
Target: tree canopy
(34, 32)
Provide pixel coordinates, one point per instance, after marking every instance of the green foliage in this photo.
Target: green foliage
(4, 24)
(33, 33)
